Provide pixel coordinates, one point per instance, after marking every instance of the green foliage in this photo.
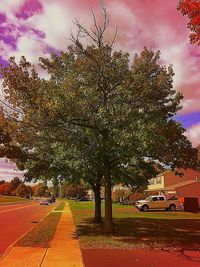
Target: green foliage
(99, 117)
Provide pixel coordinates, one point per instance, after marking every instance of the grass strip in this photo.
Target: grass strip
(43, 232)
(12, 199)
(60, 207)
(134, 229)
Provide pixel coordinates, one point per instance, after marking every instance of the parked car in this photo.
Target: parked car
(158, 203)
(44, 202)
(83, 199)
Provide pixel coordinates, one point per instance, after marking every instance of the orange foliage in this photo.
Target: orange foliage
(191, 9)
(5, 189)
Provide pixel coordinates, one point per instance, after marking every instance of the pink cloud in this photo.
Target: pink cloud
(6, 164)
(28, 9)
(193, 134)
(10, 6)
(156, 24)
(8, 170)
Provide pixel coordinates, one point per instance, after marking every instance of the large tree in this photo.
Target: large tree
(191, 9)
(107, 118)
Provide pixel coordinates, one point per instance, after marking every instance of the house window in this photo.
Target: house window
(158, 180)
(151, 181)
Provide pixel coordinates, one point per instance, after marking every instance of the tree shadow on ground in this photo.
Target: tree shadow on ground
(147, 231)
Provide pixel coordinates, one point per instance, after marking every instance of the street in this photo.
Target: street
(16, 219)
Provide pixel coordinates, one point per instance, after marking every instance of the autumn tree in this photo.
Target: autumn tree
(14, 183)
(22, 190)
(191, 9)
(40, 189)
(5, 189)
(102, 115)
(76, 191)
(29, 190)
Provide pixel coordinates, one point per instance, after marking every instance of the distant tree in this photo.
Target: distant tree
(63, 188)
(191, 9)
(29, 190)
(40, 190)
(2, 182)
(22, 190)
(55, 188)
(14, 183)
(77, 191)
(5, 189)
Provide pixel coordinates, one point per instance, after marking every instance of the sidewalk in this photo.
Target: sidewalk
(64, 249)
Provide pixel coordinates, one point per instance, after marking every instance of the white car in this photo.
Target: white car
(44, 202)
(158, 203)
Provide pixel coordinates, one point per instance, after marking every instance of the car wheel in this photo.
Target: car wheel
(172, 207)
(145, 208)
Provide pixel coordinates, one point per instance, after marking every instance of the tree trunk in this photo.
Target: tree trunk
(108, 225)
(97, 194)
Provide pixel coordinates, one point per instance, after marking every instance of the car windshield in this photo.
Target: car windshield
(148, 199)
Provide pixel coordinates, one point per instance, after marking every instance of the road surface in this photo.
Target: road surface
(16, 219)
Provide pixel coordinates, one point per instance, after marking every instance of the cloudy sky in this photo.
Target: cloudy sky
(36, 28)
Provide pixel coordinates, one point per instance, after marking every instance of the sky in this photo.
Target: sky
(35, 28)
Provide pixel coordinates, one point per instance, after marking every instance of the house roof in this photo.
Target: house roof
(180, 170)
(163, 173)
(174, 186)
(187, 182)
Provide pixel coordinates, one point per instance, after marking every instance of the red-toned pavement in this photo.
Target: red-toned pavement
(16, 219)
(64, 252)
(139, 258)
(64, 248)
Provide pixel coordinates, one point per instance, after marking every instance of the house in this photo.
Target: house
(168, 183)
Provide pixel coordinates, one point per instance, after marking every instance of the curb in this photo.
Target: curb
(10, 247)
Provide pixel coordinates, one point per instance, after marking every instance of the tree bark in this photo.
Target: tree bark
(97, 194)
(108, 225)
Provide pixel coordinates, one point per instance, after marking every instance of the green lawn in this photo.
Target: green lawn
(159, 229)
(5, 199)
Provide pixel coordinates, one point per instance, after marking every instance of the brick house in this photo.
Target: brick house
(186, 185)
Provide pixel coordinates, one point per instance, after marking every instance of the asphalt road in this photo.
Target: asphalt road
(16, 219)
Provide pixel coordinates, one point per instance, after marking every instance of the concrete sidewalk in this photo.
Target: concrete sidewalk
(64, 249)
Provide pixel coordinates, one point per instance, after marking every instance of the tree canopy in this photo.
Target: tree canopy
(100, 116)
